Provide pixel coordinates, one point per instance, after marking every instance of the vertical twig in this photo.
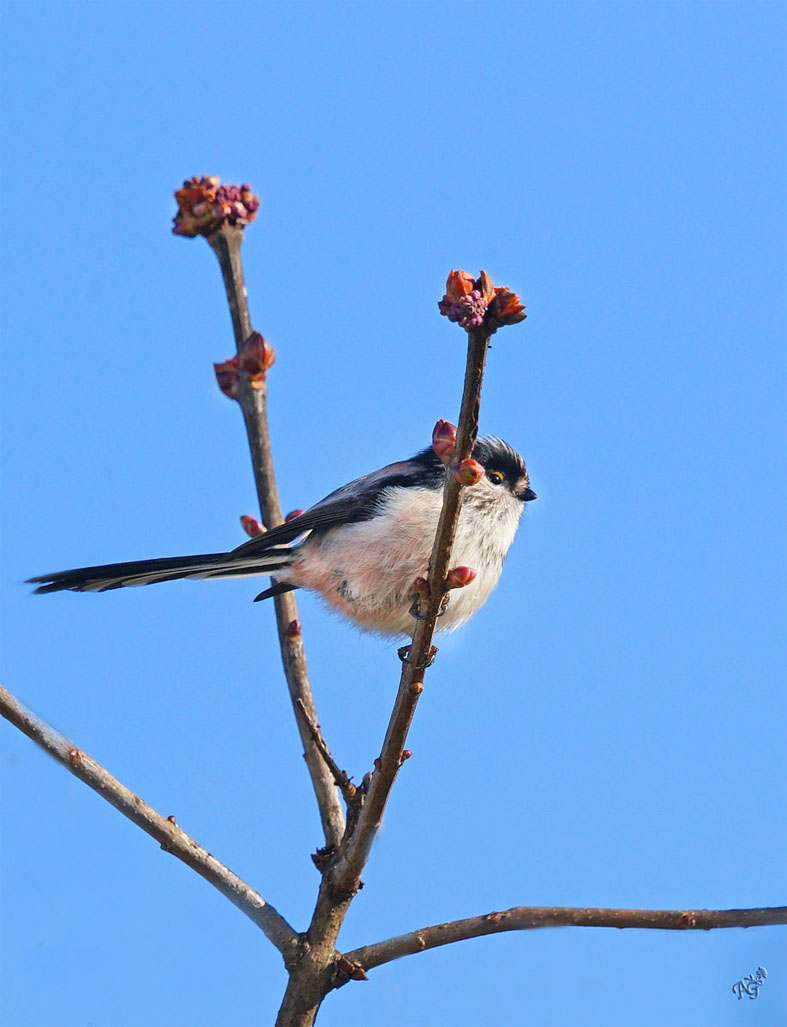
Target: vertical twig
(226, 244)
(346, 874)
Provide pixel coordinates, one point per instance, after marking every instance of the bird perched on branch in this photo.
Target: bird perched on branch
(365, 545)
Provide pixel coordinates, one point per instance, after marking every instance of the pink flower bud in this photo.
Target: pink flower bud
(444, 440)
(252, 526)
(459, 577)
(293, 514)
(468, 471)
(171, 819)
(204, 206)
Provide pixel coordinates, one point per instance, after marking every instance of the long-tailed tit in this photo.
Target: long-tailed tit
(366, 543)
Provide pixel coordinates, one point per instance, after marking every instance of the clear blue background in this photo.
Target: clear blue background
(610, 729)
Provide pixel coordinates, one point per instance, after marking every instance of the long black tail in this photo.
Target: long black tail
(172, 568)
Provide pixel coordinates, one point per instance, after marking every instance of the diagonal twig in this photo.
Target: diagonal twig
(346, 874)
(342, 781)
(164, 830)
(523, 918)
(313, 977)
(226, 244)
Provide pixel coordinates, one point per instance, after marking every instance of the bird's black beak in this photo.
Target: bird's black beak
(527, 494)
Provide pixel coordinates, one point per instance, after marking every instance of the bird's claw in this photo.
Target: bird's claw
(416, 611)
(404, 655)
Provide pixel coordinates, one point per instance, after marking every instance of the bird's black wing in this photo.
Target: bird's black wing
(357, 501)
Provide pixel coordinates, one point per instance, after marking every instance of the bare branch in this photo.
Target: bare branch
(342, 781)
(346, 874)
(317, 968)
(525, 918)
(164, 830)
(226, 244)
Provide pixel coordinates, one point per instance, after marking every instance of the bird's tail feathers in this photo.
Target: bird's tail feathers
(173, 568)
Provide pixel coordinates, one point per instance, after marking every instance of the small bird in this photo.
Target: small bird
(365, 545)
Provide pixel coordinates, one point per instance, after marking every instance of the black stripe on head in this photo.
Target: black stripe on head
(496, 455)
(492, 453)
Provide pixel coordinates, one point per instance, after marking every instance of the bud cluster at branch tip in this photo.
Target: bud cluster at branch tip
(459, 577)
(252, 526)
(469, 471)
(204, 205)
(472, 302)
(255, 357)
(444, 440)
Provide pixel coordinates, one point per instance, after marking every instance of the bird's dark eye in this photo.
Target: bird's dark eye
(495, 477)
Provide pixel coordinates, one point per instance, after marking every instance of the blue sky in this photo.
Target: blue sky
(610, 729)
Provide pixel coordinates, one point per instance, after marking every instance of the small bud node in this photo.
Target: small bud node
(444, 440)
(459, 577)
(252, 526)
(469, 472)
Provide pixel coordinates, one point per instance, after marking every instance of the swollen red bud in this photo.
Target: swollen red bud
(468, 471)
(505, 309)
(294, 629)
(171, 819)
(252, 526)
(459, 577)
(444, 440)
(227, 377)
(256, 355)
(293, 514)
(485, 286)
(459, 284)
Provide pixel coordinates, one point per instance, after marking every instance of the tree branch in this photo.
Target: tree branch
(315, 971)
(163, 829)
(346, 874)
(524, 918)
(226, 244)
(340, 778)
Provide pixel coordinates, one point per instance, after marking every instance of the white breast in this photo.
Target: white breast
(365, 571)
